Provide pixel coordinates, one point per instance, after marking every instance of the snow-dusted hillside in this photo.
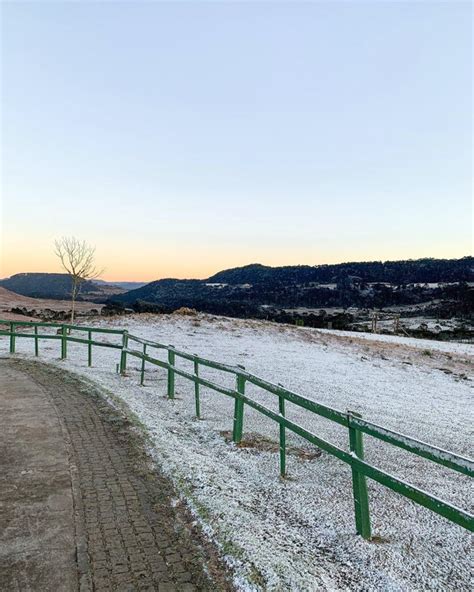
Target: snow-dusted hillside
(298, 533)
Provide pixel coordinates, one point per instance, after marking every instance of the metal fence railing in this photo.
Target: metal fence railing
(355, 424)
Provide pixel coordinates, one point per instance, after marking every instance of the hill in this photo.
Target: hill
(124, 285)
(57, 286)
(394, 272)
(269, 292)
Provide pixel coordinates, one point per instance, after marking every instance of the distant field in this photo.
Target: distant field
(9, 300)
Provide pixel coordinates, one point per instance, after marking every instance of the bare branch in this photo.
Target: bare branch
(77, 259)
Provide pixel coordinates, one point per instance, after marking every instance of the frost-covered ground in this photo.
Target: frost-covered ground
(442, 346)
(298, 533)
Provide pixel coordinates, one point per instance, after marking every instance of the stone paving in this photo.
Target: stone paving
(127, 534)
(37, 543)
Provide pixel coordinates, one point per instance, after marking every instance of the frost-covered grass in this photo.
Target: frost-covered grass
(298, 533)
(443, 346)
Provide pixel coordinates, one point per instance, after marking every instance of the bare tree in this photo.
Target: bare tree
(77, 258)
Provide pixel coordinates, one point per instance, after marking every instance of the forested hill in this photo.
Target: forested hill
(393, 272)
(241, 291)
(56, 286)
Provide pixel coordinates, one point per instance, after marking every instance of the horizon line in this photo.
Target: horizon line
(248, 265)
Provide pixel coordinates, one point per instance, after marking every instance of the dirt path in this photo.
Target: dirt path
(80, 506)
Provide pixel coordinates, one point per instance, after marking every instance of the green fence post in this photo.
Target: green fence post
(142, 373)
(12, 338)
(196, 390)
(36, 341)
(63, 342)
(171, 360)
(359, 481)
(89, 348)
(123, 355)
(239, 408)
(281, 409)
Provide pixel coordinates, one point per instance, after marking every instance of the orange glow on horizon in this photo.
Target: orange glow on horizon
(200, 263)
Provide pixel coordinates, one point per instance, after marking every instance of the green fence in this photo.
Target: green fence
(355, 424)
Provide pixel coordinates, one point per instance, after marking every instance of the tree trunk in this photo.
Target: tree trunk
(73, 300)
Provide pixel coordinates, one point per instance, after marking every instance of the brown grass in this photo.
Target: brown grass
(260, 443)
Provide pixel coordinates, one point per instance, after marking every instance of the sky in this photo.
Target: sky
(182, 138)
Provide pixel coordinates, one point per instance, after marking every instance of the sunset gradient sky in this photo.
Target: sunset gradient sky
(182, 138)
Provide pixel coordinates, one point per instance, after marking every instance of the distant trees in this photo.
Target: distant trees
(395, 272)
(78, 260)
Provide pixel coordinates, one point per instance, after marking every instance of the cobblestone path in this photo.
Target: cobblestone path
(126, 533)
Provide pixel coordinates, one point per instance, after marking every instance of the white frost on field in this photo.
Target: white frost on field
(298, 533)
(442, 346)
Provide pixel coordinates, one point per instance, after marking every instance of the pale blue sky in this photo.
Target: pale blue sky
(186, 137)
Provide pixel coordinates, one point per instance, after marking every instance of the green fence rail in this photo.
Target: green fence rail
(355, 424)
